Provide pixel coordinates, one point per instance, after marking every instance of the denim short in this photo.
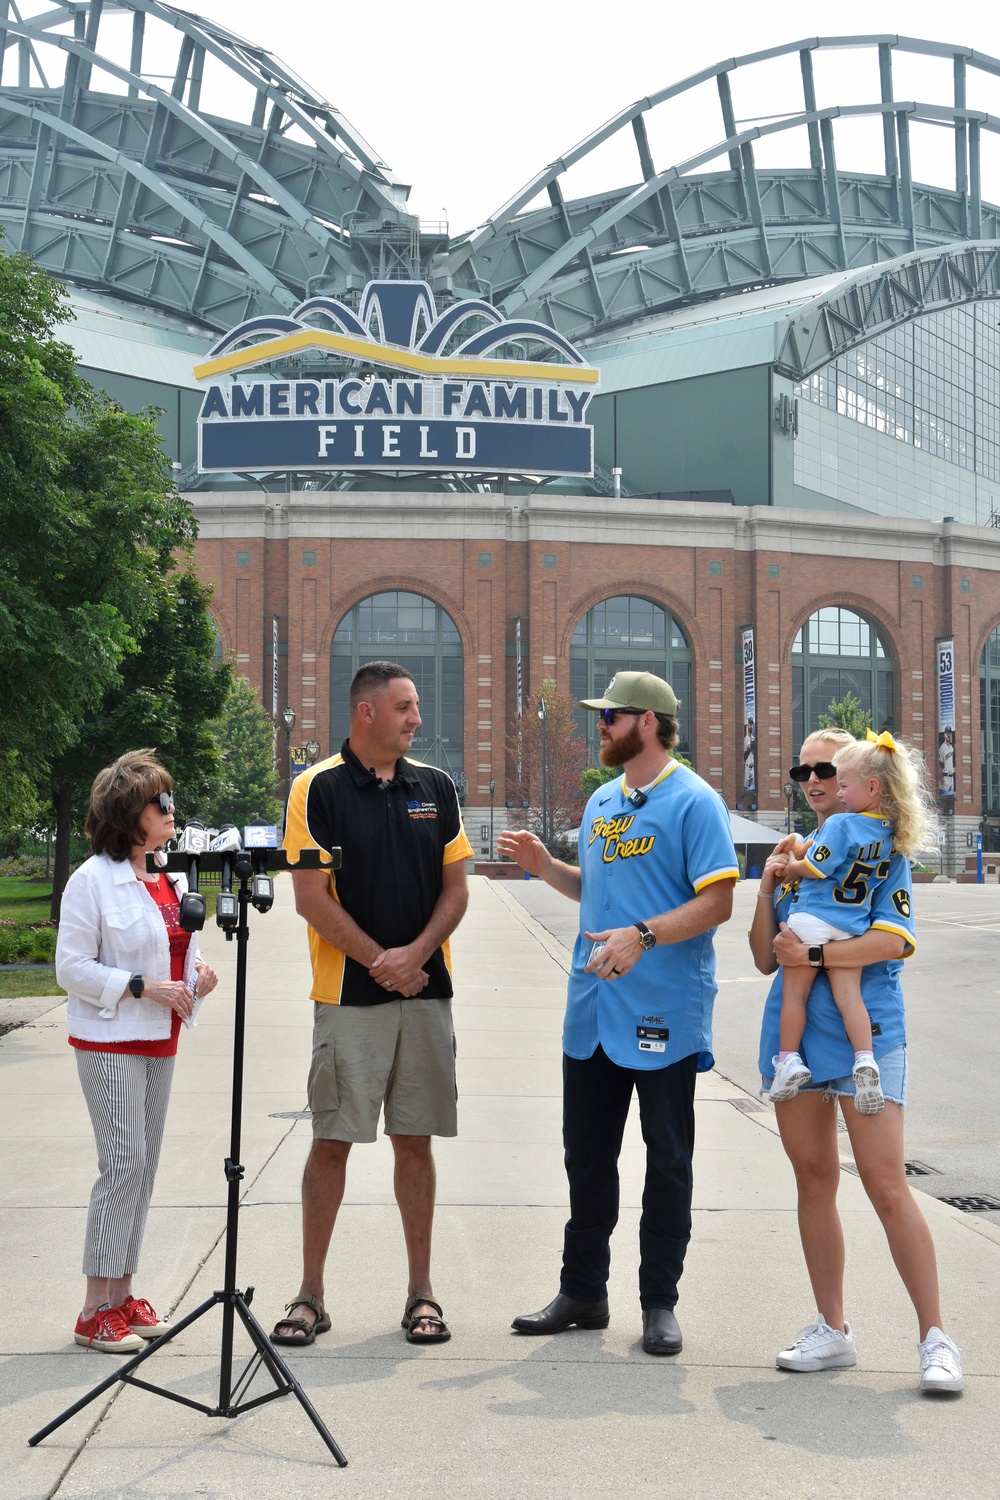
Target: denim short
(892, 1071)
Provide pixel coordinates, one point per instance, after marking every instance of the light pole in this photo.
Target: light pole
(545, 775)
(789, 794)
(288, 719)
(493, 787)
(312, 750)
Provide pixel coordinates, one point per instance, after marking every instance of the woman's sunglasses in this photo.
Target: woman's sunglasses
(823, 769)
(164, 801)
(608, 715)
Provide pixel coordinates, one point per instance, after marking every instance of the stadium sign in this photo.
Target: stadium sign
(413, 390)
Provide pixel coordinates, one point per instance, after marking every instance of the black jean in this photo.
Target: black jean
(597, 1094)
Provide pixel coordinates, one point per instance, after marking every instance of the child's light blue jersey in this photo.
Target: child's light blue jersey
(825, 1047)
(850, 856)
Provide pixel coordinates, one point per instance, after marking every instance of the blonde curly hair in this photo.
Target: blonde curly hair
(905, 794)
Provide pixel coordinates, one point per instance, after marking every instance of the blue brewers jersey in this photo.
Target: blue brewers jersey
(635, 863)
(827, 1052)
(850, 857)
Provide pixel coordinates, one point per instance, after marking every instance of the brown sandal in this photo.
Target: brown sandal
(441, 1333)
(321, 1324)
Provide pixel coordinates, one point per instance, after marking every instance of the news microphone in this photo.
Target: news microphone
(258, 838)
(226, 843)
(193, 842)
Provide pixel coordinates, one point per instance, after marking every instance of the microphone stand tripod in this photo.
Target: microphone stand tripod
(250, 868)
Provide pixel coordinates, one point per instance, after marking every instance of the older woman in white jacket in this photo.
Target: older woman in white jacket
(133, 977)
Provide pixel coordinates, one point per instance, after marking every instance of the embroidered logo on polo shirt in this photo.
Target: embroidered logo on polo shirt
(417, 809)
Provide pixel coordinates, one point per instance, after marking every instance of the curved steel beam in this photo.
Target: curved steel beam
(896, 292)
(261, 210)
(591, 265)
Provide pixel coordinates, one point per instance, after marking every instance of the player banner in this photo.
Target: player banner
(749, 711)
(946, 716)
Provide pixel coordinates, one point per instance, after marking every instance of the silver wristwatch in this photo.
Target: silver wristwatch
(646, 938)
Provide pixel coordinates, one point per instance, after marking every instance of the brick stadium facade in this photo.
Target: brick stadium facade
(489, 559)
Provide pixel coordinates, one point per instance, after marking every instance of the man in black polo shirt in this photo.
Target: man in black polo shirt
(378, 940)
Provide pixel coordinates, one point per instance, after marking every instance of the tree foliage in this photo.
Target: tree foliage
(248, 785)
(87, 519)
(167, 696)
(848, 714)
(105, 640)
(565, 759)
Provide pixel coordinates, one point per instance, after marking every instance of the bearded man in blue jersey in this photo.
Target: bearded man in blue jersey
(655, 879)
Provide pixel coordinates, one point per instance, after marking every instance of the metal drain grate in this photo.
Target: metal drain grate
(292, 1114)
(974, 1203)
(920, 1169)
(747, 1106)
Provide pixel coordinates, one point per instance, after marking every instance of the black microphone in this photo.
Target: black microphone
(193, 842)
(226, 844)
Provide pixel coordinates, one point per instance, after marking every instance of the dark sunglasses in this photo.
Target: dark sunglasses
(608, 715)
(164, 801)
(824, 770)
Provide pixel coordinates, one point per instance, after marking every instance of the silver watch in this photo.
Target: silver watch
(646, 938)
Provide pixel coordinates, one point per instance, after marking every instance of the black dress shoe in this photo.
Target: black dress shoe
(561, 1313)
(660, 1331)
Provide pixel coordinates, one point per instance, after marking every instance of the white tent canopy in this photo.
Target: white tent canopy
(745, 831)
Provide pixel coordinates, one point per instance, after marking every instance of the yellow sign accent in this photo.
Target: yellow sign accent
(402, 359)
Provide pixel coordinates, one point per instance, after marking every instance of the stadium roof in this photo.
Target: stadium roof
(121, 182)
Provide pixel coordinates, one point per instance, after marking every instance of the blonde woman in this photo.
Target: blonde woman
(808, 1121)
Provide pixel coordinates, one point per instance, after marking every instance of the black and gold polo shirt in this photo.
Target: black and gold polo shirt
(396, 838)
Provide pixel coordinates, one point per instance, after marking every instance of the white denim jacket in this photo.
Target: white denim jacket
(109, 929)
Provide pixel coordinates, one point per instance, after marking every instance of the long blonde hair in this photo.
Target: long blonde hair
(905, 796)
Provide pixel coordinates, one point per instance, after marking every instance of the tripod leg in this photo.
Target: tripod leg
(122, 1372)
(281, 1374)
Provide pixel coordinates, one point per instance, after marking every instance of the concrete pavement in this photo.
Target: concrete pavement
(489, 1413)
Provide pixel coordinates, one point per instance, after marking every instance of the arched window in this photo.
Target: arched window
(989, 722)
(835, 653)
(420, 636)
(629, 634)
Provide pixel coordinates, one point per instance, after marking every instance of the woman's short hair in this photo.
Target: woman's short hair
(120, 794)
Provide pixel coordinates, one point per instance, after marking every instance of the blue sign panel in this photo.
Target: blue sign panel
(463, 404)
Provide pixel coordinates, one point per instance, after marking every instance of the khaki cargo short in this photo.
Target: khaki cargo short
(400, 1054)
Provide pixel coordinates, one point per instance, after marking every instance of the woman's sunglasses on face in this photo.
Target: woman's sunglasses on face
(164, 801)
(823, 770)
(608, 715)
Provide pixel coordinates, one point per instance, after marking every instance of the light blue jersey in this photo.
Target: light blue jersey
(635, 863)
(825, 1047)
(851, 857)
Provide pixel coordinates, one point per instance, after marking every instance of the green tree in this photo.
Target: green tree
(87, 515)
(168, 696)
(248, 786)
(847, 714)
(565, 756)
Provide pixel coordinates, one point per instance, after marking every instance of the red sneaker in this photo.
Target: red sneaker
(141, 1318)
(107, 1331)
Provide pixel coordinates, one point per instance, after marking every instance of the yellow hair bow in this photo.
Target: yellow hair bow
(884, 741)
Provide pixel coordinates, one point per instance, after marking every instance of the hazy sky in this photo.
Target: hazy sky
(467, 102)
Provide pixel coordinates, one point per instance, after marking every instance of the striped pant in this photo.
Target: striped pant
(127, 1098)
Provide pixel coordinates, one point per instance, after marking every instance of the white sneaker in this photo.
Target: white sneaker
(868, 1096)
(789, 1076)
(940, 1364)
(820, 1347)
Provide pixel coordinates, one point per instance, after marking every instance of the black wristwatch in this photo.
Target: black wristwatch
(137, 984)
(646, 938)
(816, 957)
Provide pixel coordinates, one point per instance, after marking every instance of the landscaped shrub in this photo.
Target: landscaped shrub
(21, 944)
